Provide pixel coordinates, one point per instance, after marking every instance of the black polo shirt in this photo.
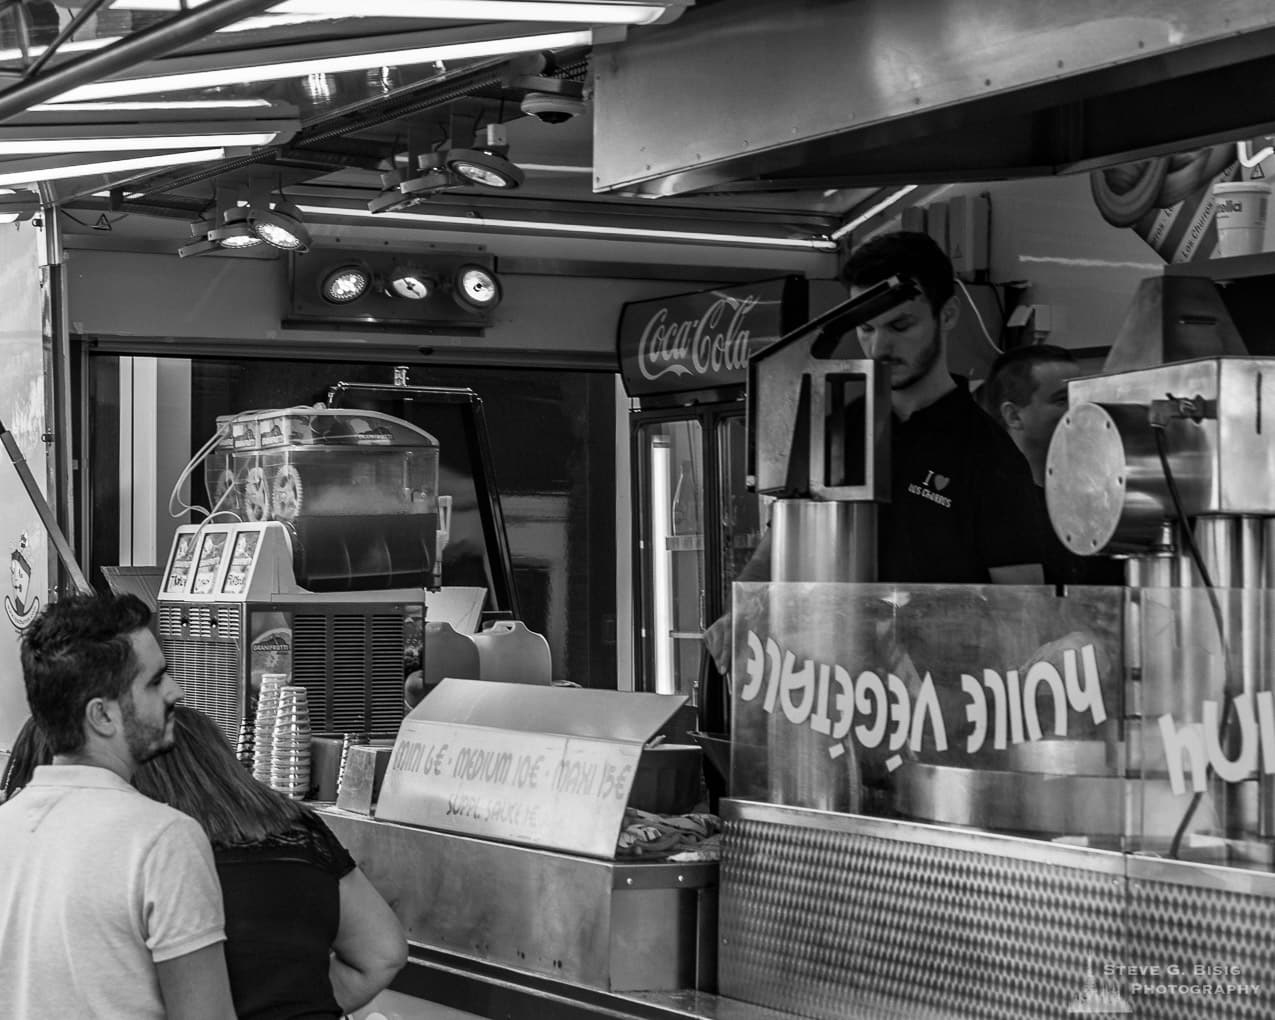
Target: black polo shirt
(962, 498)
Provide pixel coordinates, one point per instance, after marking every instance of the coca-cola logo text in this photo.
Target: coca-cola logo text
(716, 342)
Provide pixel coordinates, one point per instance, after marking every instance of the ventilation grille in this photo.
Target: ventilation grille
(351, 665)
(209, 623)
(206, 661)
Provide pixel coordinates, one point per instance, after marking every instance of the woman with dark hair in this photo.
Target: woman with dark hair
(30, 750)
(307, 936)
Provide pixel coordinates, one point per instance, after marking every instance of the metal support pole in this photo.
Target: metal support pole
(156, 41)
(46, 513)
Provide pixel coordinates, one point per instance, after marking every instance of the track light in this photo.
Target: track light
(346, 283)
(280, 226)
(235, 233)
(483, 164)
(486, 164)
(476, 286)
(486, 169)
(403, 192)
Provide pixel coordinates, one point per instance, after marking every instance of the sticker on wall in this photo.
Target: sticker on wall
(21, 604)
(1167, 200)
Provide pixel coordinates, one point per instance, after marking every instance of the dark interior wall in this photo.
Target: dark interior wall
(552, 440)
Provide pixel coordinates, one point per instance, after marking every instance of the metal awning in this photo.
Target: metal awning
(757, 96)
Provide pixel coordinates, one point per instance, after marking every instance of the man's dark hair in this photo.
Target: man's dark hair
(76, 650)
(904, 253)
(1011, 375)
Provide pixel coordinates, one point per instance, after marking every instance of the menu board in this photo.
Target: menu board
(179, 572)
(210, 555)
(543, 789)
(241, 555)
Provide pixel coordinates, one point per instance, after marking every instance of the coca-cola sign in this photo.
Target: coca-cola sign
(702, 341)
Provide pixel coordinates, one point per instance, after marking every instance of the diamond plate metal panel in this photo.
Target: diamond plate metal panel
(1185, 917)
(822, 920)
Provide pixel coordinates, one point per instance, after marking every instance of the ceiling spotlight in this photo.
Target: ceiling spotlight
(280, 226)
(345, 284)
(485, 163)
(476, 287)
(236, 233)
(399, 192)
(408, 281)
(487, 169)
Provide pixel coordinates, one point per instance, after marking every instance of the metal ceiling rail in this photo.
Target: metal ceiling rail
(379, 110)
(169, 35)
(434, 95)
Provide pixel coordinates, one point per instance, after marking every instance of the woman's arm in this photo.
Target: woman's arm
(370, 947)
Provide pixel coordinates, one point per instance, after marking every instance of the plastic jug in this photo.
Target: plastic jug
(509, 652)
(445, 653)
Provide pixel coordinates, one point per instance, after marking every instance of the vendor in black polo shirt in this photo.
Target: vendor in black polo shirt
(961, 500)
(962, 505)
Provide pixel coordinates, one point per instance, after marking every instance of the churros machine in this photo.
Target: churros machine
(325, 530)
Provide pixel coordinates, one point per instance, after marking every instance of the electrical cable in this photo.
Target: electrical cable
(1196, 558)
(196, 459)
(979, 316)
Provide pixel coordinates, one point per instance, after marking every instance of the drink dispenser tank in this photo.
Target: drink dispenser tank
(357, 491)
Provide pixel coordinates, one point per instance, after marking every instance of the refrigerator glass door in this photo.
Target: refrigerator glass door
(738, 513)
(671, 482)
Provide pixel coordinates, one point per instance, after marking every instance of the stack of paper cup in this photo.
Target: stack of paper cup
(263, 731)
(290, 772)
(1241, 216)
(246, 742)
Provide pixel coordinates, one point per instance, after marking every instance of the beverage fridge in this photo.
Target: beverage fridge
(684, 364)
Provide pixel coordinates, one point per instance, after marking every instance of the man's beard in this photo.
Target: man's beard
(925, 363)
(144, 742)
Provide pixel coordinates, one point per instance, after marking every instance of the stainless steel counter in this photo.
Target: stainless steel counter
(463, 983)
(600, 924)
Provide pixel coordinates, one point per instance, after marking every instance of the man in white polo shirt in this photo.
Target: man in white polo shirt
(109, 901)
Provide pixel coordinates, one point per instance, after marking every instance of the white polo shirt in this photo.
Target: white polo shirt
(98, 883)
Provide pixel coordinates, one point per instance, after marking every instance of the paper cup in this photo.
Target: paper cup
(1240, 211)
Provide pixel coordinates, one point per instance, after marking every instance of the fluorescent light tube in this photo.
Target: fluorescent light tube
(590, 12)
(60, 173)
(50, 146)
(141, 106)
(214, 77)
(813, 243)
(867, 214)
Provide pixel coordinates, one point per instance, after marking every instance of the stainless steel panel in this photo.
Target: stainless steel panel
(831, 915)
(646, 952)
(600, 924)
(824, 914)
(1100, 808)
(1192, 915)
(812, 88)
(817, 541)
(1174, 318)
(1229, 459)
(538, 911)
(814, 540)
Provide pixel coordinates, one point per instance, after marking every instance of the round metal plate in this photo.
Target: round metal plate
(1085, 479)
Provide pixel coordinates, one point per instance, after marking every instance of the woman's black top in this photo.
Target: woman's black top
(283, 908)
